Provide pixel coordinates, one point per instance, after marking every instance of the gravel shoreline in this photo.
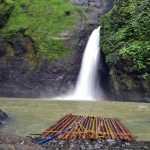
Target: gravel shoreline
(9, 141)
(58, 144)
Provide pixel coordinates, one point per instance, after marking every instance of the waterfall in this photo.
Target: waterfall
(87, 86)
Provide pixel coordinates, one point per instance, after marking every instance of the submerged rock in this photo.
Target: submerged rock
(3, 117)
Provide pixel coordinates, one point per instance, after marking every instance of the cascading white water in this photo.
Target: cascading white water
(87, 86)
(87, 83)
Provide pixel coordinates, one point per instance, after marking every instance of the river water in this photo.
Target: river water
(33, 116)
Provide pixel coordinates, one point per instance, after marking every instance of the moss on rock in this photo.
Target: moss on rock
(43, 21)
(5, 11)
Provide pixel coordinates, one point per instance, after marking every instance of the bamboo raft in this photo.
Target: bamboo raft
(89, 128)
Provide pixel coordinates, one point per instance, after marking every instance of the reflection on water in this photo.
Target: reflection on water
(33, 116)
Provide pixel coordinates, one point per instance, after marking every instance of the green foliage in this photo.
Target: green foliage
(126, 34)
(138, 52)
(53, 50)
(146, 75)
(42, 20)
(9, 2)
(130, 83)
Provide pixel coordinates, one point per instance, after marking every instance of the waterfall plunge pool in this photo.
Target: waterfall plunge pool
(33, 116)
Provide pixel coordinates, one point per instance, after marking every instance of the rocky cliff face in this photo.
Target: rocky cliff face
(23, 73)
(126, 46)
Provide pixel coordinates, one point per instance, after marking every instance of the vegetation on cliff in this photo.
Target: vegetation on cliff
(126, 44)
(44, 21)
(126, 34)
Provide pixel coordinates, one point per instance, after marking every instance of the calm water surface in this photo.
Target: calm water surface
(33, 116)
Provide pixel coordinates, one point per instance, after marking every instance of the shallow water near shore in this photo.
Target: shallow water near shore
(33, 116)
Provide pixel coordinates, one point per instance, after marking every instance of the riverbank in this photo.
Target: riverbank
(95, 145)
(10, 141)
(14, 142)
(34, 116)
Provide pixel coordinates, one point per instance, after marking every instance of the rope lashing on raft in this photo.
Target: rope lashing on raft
(52, 137)
(47, 139)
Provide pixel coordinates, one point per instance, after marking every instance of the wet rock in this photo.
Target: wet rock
(4, 147)
(128, 144)
(111, 142)
(3, 117)
(145, 147)
(3, 47)
(94, 145)
(20, 44)
(81, 2)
